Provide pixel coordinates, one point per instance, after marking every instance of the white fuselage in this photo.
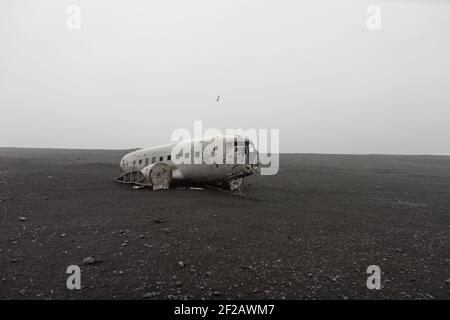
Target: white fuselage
(238, 159)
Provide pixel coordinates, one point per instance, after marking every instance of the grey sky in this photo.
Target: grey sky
(137, 70)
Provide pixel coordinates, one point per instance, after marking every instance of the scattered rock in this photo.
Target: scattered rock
(89, 260)
(157, 220)
(23, 219)
(181, 264)
(151, 295)
(178, 283)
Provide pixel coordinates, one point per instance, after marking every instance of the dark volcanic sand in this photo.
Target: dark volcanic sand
(309, 232)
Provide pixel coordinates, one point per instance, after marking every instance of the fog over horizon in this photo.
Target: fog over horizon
(136, 71)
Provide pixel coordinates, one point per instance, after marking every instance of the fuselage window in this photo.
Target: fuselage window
(140, 161)
(153, 159)
(186, 155)
(146, 161)
(169, 157)
(134, 162)
(197, 154)
(160, 158)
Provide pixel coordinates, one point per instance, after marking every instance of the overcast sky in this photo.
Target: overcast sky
(137, 70)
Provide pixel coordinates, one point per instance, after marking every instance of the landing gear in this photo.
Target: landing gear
(234, 184)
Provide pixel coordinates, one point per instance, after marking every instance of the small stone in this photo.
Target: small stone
(157, 220)
(208, 273)
(150, 294)
(216, 293)
(89, 260)
(181, 264)
(178, 283)
(23, 219)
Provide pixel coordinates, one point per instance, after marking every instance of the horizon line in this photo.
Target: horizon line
(312, 153)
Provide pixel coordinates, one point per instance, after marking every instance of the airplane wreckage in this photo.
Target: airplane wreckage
(219, 161)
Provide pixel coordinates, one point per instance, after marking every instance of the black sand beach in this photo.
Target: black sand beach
(309, 232)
